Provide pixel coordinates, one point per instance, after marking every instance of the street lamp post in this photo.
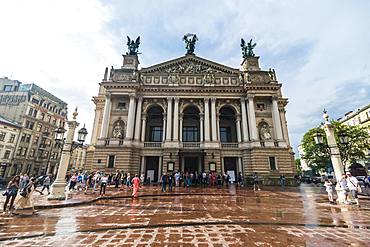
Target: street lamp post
(68, 145)
(333, 149)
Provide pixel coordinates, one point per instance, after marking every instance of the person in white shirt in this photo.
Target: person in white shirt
(353, 184)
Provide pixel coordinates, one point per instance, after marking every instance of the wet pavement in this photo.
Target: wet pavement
(195, 217)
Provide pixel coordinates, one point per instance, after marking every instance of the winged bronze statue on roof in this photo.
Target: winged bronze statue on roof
(133, 46)
(247, 48)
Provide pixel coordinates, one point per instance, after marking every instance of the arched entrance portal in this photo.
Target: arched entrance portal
(154, 124)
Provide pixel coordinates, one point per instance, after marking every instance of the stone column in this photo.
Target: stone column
(201, 117)
(335, 157)
(276, 119)
(218, 126)
(244, 120)
(95, 133)
(252, 118)
(142, 166)
(238, 132)
(176, 120)
(181, 116)
(138, 119)
(169, 118)
(57, 188)
(164, 127)
(106, 116)
(284, 125)
(131, 117)
(213, 119)
(143, 127)
(206, 120)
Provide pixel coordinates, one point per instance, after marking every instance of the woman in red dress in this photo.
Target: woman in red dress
(135, 184)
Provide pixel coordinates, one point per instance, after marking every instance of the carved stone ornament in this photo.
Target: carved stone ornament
(118, 130)
(191, 67)
(264, 131)
(174, 78)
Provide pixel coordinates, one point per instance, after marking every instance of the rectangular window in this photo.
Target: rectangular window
(8, 88)
(7, 154)
(111, 160)
(190, 134)
(28, 138)
(156, 133)
(272, 161)
(12, 138)
(225, 134)
(30, 112)
(42, 116)
(121, 105)
(2, 136)
(32, 152)
(23, 137)
(34, 113)
(36, 101)
(24, 151)
(19, 151)
(36, 140)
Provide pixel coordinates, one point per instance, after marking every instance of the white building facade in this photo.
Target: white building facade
(191, 114)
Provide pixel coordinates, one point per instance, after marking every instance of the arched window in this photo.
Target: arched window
(154, 124)
(190, 124)
(227, 124)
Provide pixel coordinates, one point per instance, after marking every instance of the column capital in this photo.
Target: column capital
(275, 97)
(132, 96)
(143, 116)
(169, 98)
(206, 99)
(250, 96)
(140, 98)
(237, 117)
(108, 95)
(177, 99)
(213, 100)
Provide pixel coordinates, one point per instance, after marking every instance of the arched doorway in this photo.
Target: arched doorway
(190, 124)
(228, 131)
(154, 124)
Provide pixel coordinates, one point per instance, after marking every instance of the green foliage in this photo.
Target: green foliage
(298, 166)
(318, 156)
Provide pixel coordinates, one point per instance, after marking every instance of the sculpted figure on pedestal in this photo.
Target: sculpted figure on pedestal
(118, 131)
(265, 132)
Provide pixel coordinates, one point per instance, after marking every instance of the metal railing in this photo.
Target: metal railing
(191, 144)
(152, 144)
(229, 145)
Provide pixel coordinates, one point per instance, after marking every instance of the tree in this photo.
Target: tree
(298, 166)
(318, 156)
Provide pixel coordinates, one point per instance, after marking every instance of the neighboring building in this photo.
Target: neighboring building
(39, 113)
(361, 118)
(9, 134)
(191, 114)
(77, 162)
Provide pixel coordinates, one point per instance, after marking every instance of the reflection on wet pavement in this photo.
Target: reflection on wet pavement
(199, 217)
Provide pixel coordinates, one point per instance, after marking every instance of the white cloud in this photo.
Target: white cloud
(317, 47)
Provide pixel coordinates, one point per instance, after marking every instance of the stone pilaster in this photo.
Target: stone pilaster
(252, 118)
(106, 116)
(276, 120)
(138, 119)
(206, 120)
(176, 119)
(244, 120)
(131, 118)
(169, 118)
(213, 119)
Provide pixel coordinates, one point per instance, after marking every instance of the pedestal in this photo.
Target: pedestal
(58, 191)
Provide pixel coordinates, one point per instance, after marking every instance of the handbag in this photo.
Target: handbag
(23, 193)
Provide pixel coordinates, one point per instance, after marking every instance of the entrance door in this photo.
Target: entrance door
(151, 168)
(191, 164)
(230, 164)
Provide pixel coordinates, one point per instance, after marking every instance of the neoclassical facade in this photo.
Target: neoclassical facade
(191, 114)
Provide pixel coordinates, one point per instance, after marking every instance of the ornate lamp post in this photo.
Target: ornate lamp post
(68, 145)
(333, 149)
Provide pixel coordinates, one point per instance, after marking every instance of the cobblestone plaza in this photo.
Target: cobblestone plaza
(228, 216)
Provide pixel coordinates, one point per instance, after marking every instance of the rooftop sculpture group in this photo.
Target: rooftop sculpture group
(190, 40)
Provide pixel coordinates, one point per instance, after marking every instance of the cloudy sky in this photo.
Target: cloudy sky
(320, 49)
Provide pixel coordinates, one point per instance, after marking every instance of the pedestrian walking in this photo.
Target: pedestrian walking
(344, 186)
(11, 193)
(329, 189)
(128, 181)
(255, 181)
(354, 187)
(177, 179)
(164, 182)
(117, 178)
(170, 181)
(46, 184)
(103, 184)
(24, 180)
(240, 179)
(282, 181)
(135, 186)
(26, 200)
(72, 182)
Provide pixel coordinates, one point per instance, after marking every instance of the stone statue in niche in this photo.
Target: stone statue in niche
(265, 133)
(118, 131)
